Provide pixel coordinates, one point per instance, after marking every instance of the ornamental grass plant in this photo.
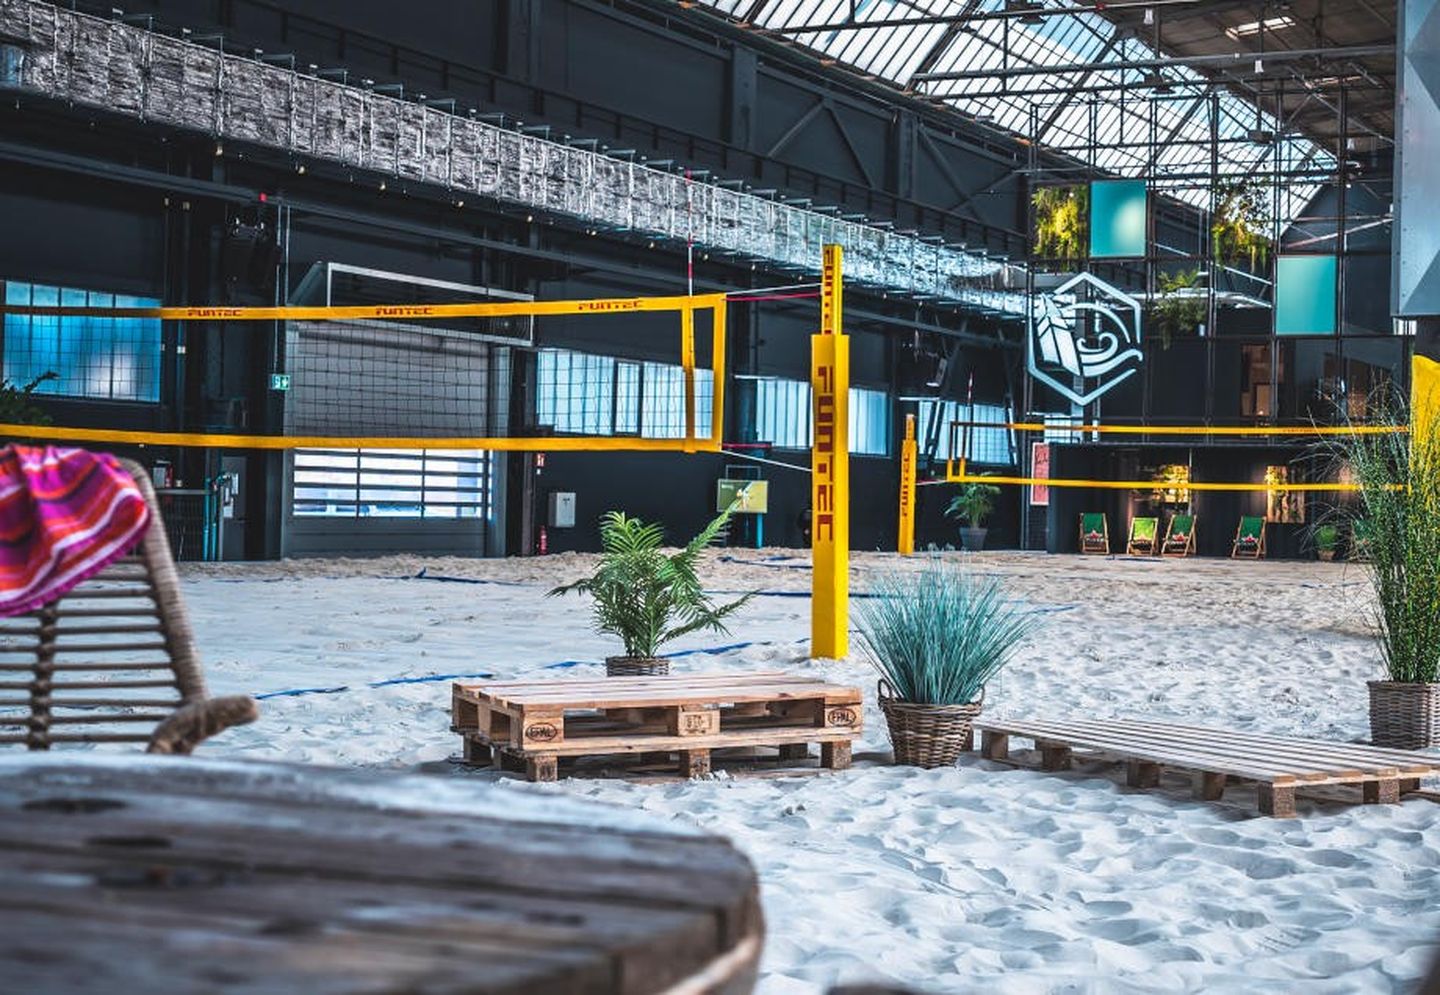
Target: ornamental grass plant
(937, 635)
(1398, 518)
(645, 596)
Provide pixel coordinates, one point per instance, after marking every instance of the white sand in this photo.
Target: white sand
(979, 878)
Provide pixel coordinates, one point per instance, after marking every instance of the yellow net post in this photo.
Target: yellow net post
(830, 469)
(909, 454)
(1424, 391)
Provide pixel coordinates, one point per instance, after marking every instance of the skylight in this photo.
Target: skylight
(1127, 121)
(1251, 28)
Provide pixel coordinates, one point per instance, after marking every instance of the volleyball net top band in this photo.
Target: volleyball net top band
(454, 376)
(957, 467)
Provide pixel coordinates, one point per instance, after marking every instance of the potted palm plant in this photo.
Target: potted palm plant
(972, 506)
(646, 596)
(1398, 521)
(1327, 540)
(936, 637)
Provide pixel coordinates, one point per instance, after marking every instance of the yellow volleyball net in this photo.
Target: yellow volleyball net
(457, 376)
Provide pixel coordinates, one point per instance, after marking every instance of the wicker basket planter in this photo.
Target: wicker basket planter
(636, 666)
(928, 735)
(1404, 716)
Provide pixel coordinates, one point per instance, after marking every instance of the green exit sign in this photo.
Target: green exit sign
(279, 381)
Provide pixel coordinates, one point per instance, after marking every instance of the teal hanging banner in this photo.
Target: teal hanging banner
(1305, 295)
(1117, 219)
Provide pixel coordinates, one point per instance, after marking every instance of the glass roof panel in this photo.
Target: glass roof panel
(1092, 126)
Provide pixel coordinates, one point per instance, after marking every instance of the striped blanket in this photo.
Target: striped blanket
(64, 515)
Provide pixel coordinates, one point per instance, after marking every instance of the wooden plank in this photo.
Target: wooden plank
(694, 762)
(540, 730)
(540, 766)
(297, 836)
(1383, 792)
(1285, 760)
(650, 699)
(840, 717)
(1277, 801)
(1054, 756)
(475, 923)
(1208, 787)
(1354, 752)
(699, 679)
(1398, 757)
(598, 745)
(1139, 774)
(1207, 756)
(1141, 751)
(693, 720)
(994, 745)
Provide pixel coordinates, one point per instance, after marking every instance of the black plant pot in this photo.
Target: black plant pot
(972, 540)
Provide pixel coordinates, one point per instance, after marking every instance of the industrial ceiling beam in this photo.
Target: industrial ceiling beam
(1023, 13)
(1228, 59)
(1180, 89)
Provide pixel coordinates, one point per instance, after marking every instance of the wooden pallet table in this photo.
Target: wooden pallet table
(535, 723)
(1278, 765)
(149, 874)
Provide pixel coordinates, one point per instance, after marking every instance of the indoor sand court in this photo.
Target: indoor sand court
(949, 880)
(362, 372)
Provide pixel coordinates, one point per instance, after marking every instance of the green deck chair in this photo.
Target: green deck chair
(1249, 539)
(1095, 533)
(1144, 534)
(1179, 536)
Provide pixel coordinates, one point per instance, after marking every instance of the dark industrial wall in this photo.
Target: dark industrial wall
(679, 490)
(1218, 512)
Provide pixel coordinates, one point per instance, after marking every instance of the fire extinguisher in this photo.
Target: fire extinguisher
(544, 541)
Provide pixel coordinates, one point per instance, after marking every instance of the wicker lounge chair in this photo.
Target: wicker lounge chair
(1144, 536)
(1094, 533)
(1179, 536)
(113, 661)
(1249, 539)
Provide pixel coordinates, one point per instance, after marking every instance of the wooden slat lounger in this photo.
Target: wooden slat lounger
(1277, 764)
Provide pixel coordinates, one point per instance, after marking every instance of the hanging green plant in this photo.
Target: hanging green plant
(1236, 228)
(1061, 223)
(1180, 304)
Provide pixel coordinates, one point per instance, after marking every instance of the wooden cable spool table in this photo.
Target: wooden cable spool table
(127, 873)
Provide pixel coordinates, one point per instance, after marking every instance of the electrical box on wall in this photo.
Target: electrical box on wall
(562, 510)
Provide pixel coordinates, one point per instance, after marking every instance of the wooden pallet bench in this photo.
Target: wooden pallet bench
(535, 723)
(1278, 765)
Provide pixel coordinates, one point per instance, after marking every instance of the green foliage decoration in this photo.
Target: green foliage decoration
(1061, 223)
(16, 404)
(937, 635)
(646, 596)
(1237, 225)
(1178, 309)
(973, 504)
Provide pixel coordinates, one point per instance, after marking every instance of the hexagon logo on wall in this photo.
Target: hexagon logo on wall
(1084, 348)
